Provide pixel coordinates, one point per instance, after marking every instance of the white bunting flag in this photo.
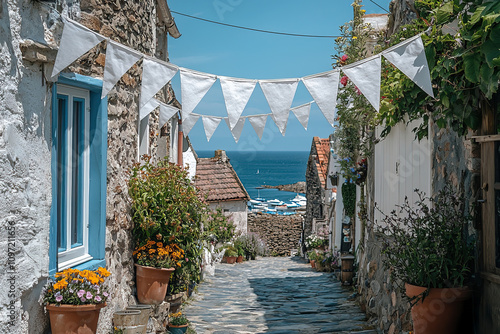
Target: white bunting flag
(302, 113)
(166, 113)
(258, 123)
(409, 57)
(279, 95)
(365, 74)
(155, 75)
(118, 60)
(210, 124)
(323, 88)
(236, 93)
(148, 108)
(236, 131)
(75, 41)
(194, 85)
(188, 122)
(283, 129)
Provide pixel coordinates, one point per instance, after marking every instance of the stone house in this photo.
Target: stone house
(216, 178)
(398, 165)
(317, 193)
(41, 164)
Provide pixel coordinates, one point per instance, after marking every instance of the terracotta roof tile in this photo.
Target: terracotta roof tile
(219, 180)
(322, 148)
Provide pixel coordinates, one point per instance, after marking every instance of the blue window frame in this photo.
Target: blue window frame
(79, 149)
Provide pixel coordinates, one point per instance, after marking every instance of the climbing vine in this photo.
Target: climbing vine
(349, 198)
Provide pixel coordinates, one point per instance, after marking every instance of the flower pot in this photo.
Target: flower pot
(239, 259)
(74, 319)
(145, 313)
(175, 302)
(152, 283)
(177, 329)
(313, 263)
(440, 311)
(129, 321)
(230, 259)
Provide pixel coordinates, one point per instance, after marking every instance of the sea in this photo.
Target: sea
(258, 168)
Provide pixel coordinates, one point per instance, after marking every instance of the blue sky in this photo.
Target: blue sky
(226, 51)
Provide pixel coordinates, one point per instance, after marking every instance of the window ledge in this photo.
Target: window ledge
(491, 277)
(91, 265)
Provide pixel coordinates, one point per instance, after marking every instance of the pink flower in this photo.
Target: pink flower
(80, 293)
(358, 91)
(187, 260)
(344, 80)
(105, 294)
(89, 295)
(83, 299)
(97, 299)
(344, 58)
(59, 298)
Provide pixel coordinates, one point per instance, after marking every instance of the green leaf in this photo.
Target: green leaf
(444, 13)
(477, 15)
(491, 50)
(472, 64)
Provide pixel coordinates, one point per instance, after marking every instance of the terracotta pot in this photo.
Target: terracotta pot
(177, 329)
(231, 259)
(440, 311)
(152, 283)
(74, 319)
(313, 263)
(145, 313)
(239, 259)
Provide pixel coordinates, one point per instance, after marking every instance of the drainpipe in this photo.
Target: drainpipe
(180, 140)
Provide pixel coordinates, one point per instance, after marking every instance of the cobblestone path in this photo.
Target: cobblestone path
(273, 295)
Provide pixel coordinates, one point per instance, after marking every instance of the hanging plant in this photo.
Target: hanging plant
(349, 198)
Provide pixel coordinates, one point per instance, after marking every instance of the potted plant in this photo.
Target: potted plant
(166, 208)
(74, 300)
(426, 248)
(177, 323)
(231, 254)
(315, 242)
(312, 256)
(155, 263)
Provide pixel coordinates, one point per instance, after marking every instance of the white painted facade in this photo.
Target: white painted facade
(402, 164)
(236, 210)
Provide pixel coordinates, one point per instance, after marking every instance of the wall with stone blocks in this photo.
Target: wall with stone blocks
(281, 233)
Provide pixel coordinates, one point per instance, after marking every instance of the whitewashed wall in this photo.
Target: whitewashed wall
(237, 210)
(402, 164)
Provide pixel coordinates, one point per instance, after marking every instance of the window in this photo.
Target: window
(79, 148)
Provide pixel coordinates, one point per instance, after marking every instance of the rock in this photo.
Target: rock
(299, 187)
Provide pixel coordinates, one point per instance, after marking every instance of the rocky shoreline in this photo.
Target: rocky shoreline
(299, 187)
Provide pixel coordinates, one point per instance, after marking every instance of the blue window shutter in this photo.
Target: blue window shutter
(53, 208)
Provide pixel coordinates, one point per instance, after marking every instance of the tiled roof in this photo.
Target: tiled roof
(219, 180)
(322, 147)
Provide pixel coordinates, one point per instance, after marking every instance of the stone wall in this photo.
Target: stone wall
(25, 144)
(314, 194)
(281, 233)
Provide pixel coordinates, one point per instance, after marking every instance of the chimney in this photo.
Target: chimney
(221, 155)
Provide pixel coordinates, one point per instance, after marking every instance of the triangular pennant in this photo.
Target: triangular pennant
(118, 60)
(238, 128)
(283, 129)
(236, 93)
(166, 113)
(210, 124)
(279, 95)
(155, 75)
(258, 124)
(148, 108)
(323, 88)
(365, 74)
(409, 57)
(302, 113)
(188, 122)
(194, 85)
(75, 41)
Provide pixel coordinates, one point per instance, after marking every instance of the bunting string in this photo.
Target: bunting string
(408, 56)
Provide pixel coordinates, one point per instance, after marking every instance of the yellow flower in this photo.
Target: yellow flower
(103, 272)
(363, 11)
(354, 37)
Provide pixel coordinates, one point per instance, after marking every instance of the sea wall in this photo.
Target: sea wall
(281, 233)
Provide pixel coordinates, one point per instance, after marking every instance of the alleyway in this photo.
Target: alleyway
(274, 295)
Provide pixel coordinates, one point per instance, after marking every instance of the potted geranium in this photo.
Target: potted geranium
(74, 299)
(177, 323)
(426, 248)
(231, 254)
(155, 263)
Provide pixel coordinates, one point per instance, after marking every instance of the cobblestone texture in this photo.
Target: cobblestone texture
(274, 295)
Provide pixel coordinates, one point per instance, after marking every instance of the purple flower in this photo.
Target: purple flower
(80, 293)
(105, 294)
(83, 299)
(97, 299)
(89, 295)
(59, 298)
